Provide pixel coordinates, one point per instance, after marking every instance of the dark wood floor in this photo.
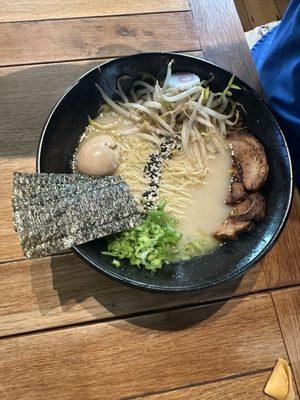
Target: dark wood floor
(257, 12)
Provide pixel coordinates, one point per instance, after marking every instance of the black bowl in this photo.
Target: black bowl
(68, 120)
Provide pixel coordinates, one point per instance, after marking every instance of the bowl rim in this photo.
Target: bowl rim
(190, 288)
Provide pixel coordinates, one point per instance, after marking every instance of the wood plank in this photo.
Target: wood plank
(240, 388)
(222, 38)
(88, 38)
(9, 242)
(59, 291)
(261, 12)
(241, 9)
(281, 266)
(282, 5)
(287, 305)
(143, 354)
(57, 9)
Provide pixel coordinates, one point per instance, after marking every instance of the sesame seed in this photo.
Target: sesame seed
(153, 168)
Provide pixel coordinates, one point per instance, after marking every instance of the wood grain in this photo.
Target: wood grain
(255, 12)
(222, 38)
(143, 354)
(287, 305)
(281, 266)
(59, 291)
(282, 6)
(261, 12)
(32, 92)
(56, 9)
(241, 9)
(75, 39)
(240, 388)
(9, 242)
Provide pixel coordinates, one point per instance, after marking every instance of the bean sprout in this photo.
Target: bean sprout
(197, 116)
(115, 106)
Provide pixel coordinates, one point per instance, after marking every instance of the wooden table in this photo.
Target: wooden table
(68, 332)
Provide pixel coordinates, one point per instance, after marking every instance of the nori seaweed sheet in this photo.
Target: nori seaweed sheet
(53, 212)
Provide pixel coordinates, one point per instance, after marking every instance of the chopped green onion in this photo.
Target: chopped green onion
(150, 244)
(230, 85)
(116, 263)
(200, 244)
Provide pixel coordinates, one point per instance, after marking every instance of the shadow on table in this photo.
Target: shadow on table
(86, 295)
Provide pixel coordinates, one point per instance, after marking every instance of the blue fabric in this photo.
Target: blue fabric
(277, 59)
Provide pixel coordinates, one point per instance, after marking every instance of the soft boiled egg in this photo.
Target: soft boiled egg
(98, 156)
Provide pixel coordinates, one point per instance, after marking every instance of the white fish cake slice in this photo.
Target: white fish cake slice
(182, 80)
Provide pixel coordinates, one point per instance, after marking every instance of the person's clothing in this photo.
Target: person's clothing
(257, 33)
(277, 59)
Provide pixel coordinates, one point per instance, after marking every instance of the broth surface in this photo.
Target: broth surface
(208, 210)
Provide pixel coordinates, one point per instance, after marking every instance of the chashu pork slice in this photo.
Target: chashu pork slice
(252, 208)
(232, 228)
(250, 154)
(237, 191)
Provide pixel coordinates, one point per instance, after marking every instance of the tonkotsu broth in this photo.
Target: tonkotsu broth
(208, 210)
(203, 212)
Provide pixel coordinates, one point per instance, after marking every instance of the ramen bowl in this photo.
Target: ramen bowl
(69, 119)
